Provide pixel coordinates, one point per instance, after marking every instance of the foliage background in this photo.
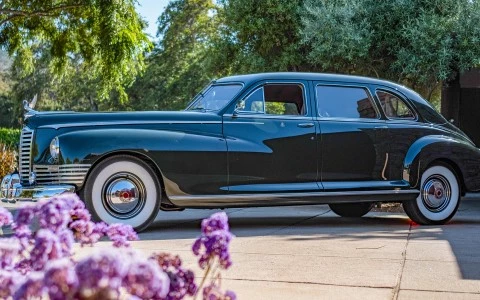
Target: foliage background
(111, 65)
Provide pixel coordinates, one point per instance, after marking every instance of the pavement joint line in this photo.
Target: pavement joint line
(300, 221)
(308, 282)
(284, 254)
(442, 291)
(396, 290)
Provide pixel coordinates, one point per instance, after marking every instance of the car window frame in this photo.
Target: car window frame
(209, 87)
(402, 98)
(261, 84)
(378, 112)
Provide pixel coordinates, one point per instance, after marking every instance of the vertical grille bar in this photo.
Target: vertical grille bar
(24, 154)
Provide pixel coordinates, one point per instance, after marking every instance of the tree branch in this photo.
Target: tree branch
(12, 13)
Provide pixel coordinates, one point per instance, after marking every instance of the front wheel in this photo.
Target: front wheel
(439, 197)
(123, 189)
(351, 210)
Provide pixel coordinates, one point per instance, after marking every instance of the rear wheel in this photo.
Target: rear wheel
(351, 210)
(123, 189)
(439, 197)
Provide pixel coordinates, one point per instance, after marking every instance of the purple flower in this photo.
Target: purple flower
(213, 292)
(215, 244)
(9, 249)
(25, 216)
(60, 279)
(53, 214)
(32, 288)
(66, 242)
(182, 281)
(9, 283)
(217, 221)
(230, 295)
(84, 232)
(47, 247)
(6, 217)
(24, 235)
(146, 280)
(101, 274)
(76, 207)
(121, 234)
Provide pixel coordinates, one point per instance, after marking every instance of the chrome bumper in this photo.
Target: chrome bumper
(12, 191)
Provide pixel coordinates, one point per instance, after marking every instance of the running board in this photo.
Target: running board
(274, 199)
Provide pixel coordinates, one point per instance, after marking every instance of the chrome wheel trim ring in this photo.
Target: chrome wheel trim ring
(436, 193)
(123, 195)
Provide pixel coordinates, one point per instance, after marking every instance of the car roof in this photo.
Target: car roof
(248, 78)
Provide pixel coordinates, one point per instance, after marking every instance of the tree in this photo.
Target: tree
(261, 36)
(179, 65)
(418, 43)
(105, 36)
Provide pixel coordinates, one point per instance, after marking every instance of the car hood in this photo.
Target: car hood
(67, 119)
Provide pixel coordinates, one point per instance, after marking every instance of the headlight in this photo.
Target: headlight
(54, 148)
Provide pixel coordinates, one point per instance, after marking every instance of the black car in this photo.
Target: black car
(254, 140)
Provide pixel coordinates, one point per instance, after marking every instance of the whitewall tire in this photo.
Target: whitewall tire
(123, 189)
(439, 197)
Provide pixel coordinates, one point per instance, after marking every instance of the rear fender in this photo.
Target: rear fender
(426, 150)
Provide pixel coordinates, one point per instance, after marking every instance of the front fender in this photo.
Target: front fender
(192, 162)
(463, 155)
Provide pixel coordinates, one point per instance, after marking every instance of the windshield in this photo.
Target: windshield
(215, 97)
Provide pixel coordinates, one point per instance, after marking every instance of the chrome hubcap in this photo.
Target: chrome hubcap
(436, 193)
(123, 195)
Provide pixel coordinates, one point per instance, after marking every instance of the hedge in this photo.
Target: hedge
(9, 137)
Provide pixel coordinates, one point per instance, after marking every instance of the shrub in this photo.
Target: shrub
(40, 265)
(9, 137)
(7, 160)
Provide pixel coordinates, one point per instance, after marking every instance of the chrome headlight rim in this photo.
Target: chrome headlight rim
(55, 148)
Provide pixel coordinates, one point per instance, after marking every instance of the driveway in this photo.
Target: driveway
(307, 252)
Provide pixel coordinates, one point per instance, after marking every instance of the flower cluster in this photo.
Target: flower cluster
(36, 265)
(182, 281)
(5, 217)
(214, 241)
(213, 292)
(212, 247)
(39, 265)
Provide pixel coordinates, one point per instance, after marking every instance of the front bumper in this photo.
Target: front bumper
(12, 191)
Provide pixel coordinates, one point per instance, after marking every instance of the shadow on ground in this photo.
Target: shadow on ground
(318, 223)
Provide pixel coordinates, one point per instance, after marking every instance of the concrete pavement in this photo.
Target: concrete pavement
(308, 252)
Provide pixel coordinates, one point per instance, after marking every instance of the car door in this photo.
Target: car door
(271, 140)
(403, 128)
(353, 145)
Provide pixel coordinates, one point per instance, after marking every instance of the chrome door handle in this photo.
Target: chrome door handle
(306, 125)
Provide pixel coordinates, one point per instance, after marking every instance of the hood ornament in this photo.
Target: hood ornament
(29, 107)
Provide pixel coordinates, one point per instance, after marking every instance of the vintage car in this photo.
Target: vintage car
(254, 140)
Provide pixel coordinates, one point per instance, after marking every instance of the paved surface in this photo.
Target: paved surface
(309, 253)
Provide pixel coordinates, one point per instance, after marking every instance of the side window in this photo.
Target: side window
(344, 102)
(274, 99)
(394, 107)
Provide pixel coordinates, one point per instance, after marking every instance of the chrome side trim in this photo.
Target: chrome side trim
(273, 199)
(61, 174)
(24, 153)
(105, 123)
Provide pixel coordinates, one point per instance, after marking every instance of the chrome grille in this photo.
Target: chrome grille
(66, 174)
(24, 154)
